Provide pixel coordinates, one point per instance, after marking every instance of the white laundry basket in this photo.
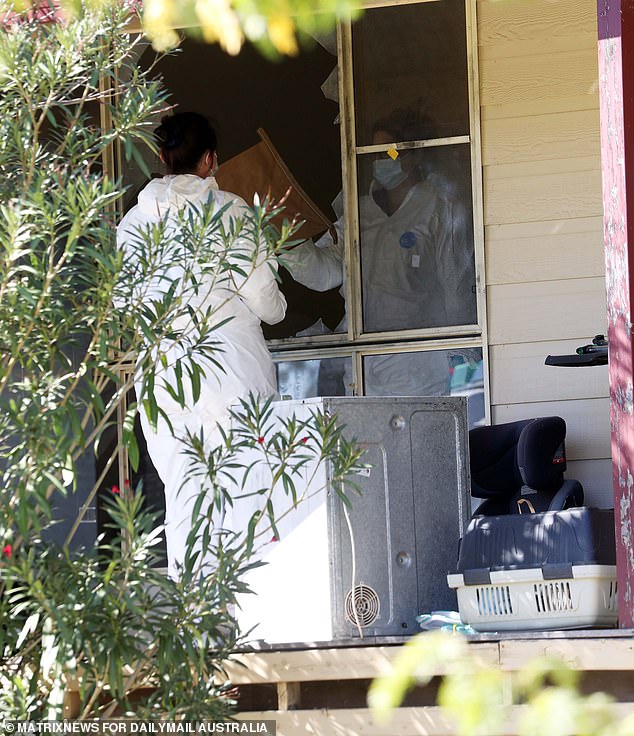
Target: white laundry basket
(524, 599)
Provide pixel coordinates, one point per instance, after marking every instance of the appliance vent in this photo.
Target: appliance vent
(362, 605)
(553, 597)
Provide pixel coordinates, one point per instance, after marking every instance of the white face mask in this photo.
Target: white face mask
(388, 173)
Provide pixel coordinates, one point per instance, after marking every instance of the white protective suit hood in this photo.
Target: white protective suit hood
(175, 192)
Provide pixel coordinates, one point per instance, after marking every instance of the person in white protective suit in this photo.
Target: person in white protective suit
(416, 267)
(187, 146)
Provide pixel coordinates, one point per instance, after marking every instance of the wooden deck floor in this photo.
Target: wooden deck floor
(321, 690)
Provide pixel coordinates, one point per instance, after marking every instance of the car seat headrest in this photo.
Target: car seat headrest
(493, 461)
(528, 452)
(541, 456)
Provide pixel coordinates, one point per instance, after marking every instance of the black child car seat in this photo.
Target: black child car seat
(519, 467)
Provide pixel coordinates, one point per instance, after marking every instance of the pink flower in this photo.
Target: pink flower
(115, 490)
(126, 484)
(260, 440)
(304, 440)
(7, 550)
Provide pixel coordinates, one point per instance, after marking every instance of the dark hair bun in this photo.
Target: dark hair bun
(169, 134)
(183, 138)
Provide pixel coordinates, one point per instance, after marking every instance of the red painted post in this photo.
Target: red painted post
(616, 91)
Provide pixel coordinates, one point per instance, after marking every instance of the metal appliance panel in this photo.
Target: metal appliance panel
(439, 467)
(406, 524)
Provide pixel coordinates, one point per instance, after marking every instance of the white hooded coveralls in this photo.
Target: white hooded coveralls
(421, 285)
(246, 364)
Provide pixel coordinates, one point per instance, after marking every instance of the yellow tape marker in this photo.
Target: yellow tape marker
(392, 153)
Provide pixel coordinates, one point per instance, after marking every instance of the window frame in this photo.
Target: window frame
(356, 342)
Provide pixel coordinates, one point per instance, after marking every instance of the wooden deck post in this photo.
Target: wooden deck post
(616, 90)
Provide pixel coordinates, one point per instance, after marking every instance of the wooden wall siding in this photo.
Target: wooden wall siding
(549, 106)
(592, 475)
(505, 81)
(543, 219)
(546, 310)
(520, 27)
(544, 251)
(554, 189)
(554, 136)
(548, 383)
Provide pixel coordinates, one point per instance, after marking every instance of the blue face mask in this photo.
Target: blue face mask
(388, 173)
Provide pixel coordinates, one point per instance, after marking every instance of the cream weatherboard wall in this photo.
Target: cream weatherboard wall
(543, 220)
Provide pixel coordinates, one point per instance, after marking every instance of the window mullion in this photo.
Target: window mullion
(112, 167)
(349, 179)
(357, 367)
(477, 190)
(409, 145)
